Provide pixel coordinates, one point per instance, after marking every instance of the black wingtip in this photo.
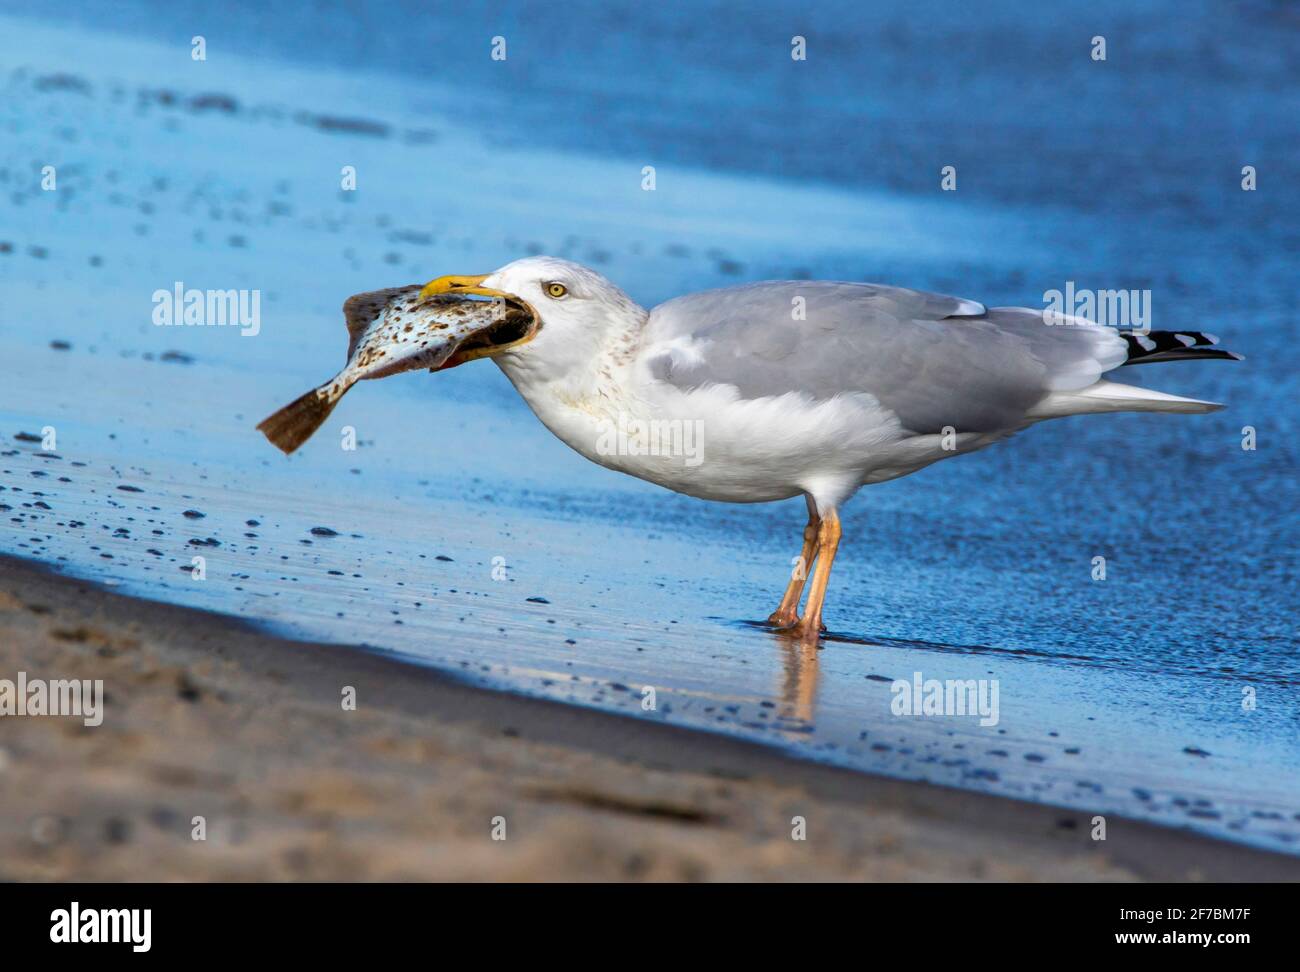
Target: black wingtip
(1155, 346)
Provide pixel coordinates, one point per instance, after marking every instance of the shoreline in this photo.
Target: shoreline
(206, 715)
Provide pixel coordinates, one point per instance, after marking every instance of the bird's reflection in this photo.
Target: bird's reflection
(798, 688)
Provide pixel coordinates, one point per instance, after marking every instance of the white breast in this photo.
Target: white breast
(712, 444)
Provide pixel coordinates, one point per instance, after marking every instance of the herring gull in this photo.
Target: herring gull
(772, 390)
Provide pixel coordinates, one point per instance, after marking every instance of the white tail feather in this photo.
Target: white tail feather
(1111, 396)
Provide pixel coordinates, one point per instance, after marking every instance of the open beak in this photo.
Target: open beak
(519, 326)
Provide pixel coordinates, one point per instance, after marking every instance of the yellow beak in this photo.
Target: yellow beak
(474, 285)
(462, 285)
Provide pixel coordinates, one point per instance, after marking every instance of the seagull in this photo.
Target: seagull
(771, 390)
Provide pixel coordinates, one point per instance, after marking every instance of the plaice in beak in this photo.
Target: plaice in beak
(503, 335)
(445, 323)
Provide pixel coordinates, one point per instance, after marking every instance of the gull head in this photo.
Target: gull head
(576, 314)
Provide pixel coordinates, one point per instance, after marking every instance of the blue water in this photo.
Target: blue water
(1117, 174)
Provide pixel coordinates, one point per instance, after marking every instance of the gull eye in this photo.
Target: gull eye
(556, 290)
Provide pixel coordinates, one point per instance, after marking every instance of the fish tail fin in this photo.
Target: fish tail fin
(294, 424)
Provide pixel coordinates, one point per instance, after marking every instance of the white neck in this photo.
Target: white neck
(576, 381)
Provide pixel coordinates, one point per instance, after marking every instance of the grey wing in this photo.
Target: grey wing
(933, 360)
(360, 310)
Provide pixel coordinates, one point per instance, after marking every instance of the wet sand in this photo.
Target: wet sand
(206, 716)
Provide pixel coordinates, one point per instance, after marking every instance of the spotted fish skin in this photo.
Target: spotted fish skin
(390, 331)
(394, 331)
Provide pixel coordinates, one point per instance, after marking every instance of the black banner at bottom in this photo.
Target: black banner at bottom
(332, 921)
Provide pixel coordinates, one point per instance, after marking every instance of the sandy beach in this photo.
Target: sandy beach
(205, 716)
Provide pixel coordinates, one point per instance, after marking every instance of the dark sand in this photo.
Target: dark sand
(207, 716)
